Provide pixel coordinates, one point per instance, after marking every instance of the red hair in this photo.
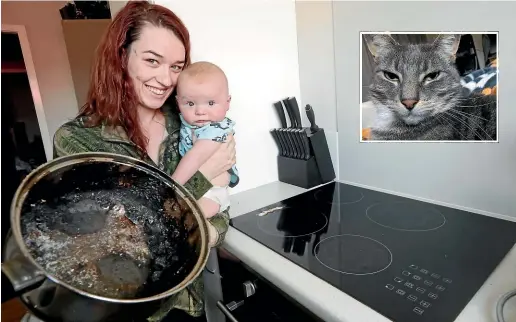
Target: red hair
(112, 99)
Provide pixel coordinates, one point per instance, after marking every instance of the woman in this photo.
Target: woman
(129, 111)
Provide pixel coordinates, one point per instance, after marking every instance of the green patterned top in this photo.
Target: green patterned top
(75, 137)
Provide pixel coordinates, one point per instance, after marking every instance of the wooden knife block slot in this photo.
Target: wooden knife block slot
(318, 169)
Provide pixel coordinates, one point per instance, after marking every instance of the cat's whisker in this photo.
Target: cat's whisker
(462, 120)
(462, 123)
(472, 98)
(440, 117)
(476, 105)
(468, 126)
(468, 114)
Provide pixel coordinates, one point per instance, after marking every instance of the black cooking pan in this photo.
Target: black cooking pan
(97, 236)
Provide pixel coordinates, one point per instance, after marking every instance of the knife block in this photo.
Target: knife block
(318, 169)
(301, 173)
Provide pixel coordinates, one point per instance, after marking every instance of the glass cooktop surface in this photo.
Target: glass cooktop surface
(408, 260)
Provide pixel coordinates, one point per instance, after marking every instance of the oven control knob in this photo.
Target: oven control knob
(249, 288)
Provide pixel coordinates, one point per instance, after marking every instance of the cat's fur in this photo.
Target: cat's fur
(445, 110)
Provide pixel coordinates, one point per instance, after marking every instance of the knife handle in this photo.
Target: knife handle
(311, 117)
(283, 144)
(295, 107)
(281, 113)
(288, 143)
(306, 144)
(290, 111)
(293, 143)
(276, 139)
(300, 143)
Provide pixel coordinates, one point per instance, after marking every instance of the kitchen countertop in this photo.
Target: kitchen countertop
(328, 302)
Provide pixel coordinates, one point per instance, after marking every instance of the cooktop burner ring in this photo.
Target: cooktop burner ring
(340, 203)
(383, 248)
(434, 218)
(267, 213)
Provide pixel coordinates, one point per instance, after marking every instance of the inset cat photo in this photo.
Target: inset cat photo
(429, 87)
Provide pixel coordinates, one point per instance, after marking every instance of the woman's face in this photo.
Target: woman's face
(154, 63)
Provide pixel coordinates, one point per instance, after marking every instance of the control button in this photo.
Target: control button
(413, 266)
(440, 288)
(446, 280)
(416, 277)
(420, 290)
(424, 271)
(398, 280)
(425, 304)
(429, 283)
(432, 296)
(400, 292)
(406, 273)
(436, 276)
(409, 285)
(418, 310)
(389, 286)
(412, 298)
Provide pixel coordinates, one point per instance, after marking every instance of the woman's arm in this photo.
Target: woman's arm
(221, 161)
(193, 159)
(220, 222)
(69, 139)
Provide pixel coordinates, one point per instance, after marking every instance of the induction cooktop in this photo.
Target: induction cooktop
(408, 260)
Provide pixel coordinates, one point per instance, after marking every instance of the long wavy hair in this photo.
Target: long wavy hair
(112, 99)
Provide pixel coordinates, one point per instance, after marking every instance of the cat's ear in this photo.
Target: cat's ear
(447, 44)
(379, 43)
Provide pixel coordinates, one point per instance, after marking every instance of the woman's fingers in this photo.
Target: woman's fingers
(231, 150)
(231, 141)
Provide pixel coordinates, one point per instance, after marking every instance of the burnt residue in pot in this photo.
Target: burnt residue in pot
(118, 234)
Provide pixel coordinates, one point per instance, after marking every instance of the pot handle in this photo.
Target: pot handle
(24, 276)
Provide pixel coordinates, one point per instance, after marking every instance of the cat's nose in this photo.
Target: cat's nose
(409, 104)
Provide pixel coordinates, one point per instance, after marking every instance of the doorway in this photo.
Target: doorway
(23, 130)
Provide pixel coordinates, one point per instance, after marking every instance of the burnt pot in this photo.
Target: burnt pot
(148, 215)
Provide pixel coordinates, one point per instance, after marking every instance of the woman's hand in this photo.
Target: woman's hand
(213, 235)
(221, 161)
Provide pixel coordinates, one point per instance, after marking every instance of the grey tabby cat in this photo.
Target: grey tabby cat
(417, 94)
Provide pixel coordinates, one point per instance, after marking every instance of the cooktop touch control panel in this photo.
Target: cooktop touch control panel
(420, 287)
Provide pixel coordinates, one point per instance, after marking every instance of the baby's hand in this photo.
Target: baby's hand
(222, 180)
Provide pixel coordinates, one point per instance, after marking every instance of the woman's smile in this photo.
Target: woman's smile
(157, 91)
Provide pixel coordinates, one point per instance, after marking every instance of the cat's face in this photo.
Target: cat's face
(414, 82)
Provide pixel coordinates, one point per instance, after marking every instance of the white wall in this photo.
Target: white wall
(255, 43)
(42, 22)
(477, 176)
(317, 68)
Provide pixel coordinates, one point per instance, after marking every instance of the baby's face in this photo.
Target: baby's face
(203, 101)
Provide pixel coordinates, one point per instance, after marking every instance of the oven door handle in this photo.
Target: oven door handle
(226, 311)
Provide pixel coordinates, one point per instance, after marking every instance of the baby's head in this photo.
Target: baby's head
(202, 93)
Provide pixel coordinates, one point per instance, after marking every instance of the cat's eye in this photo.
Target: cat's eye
(431, 76)
(391, 76)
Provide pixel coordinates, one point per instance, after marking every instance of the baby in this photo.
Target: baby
(203, 99)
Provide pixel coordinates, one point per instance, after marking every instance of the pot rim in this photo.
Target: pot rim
(85, 157)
